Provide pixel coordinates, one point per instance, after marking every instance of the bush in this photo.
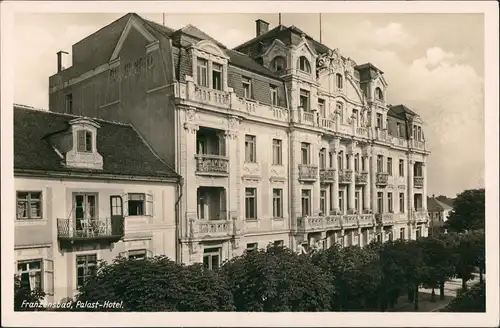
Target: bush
(25, 299)
(471, 300)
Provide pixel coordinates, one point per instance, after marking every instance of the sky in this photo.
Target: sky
(433, 63)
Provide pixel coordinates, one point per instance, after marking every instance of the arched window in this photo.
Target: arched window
(340, 110)
(379, 94)
(278, 64)
(304, 65)
(340, 81)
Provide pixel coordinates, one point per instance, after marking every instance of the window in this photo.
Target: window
(278, 243)
(322, 158)
(252, 247)
(69, 103)
(217, 76)
(274, 95)
(277, 203)
(84, 141)
(399, 132)
(138, 254)
(30, 274)
(418, 233)
(402, 233)
(355, 116)
(250, 149)
(380, 161)
(341, 200)
(357, 201)
(278, 64)
(356, 162)
(29, 205)
(401, 202)
(389, 234)
(247, 87)
(389, 202)
(136, 204)
(322, 201)
(116, 205)
(321, 107)
(340, 110)
(304, 65)
(277, 152)
(86, 265)
(363, 167)
(379, 121)
(306, 202)
(339, 81)
(304, 100)
(211, 258)
(340, 160)
(304, 148)
(251, 203)
(202, 72)
(379, 94)
(389, 165)
(85, 208)
(380, 202)
(401, 167)
(379, 237)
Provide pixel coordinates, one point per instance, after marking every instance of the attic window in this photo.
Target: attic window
(340, 81)
(379, 95)
(84, 142)
(304, 65)
(278, 64)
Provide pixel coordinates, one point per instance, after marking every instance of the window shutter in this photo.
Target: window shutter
(81, 140)
(48, 272)
(149, 204)
(125, 205)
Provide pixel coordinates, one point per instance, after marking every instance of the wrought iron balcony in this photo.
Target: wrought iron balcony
(327, 175)
(212, 164)
(210, 229)
(345, 176)
(382, 178)
(72, 230)
(361, 177)
(418, 182)
(308, 172)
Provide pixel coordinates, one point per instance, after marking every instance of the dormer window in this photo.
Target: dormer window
(304, 65)
(202, 72)
(278, 64)
(84, 143)
(379, 95)
(216, 76)
(339, 81)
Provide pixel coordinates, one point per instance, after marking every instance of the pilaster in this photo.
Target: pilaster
(373, 192)
(334, 147)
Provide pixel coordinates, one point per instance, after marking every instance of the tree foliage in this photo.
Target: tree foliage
(468, 211)
(157, 284)
(471, 300)
(277, 280)
(23, 296)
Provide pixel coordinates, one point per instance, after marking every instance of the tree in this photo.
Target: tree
(465, 257)
(472, 300)
(26, 299)
(468, 211)
(156, 284)
(276, 280)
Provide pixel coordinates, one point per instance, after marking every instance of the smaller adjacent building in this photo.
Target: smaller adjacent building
(86, 190)
(438, 213)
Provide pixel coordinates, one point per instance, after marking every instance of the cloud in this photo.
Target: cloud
(392, 34)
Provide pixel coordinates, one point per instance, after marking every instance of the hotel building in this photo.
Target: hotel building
(281, 140)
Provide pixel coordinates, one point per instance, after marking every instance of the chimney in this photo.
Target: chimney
(61, 60)
(261, 27)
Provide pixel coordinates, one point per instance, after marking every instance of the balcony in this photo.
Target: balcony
(385, 219)
(416, 144)
(361, 178)
(308, 172)
(310, 223)
(327, 124)
(327, 175)
(349, 221)
(420, 216)
(366, 220)
(333, 222)
(211, 96)
(255, 108)
(212, 164)
(89, 230)
(306, 117)
(382, 178)
(418, 182)
(345, 176)
(362, 132)
(210, 229)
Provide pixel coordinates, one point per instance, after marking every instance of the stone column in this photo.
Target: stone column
(335, 185)
(366, 188)
(352, 184)
(373, 177)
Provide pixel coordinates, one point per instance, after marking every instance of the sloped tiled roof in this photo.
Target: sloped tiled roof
(401, 111)
(435, 205)
(123, 150)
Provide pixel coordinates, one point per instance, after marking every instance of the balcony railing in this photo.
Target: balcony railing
(417, 144)
(362, 132)
(345, 176)
(420, 216)
(212, 164)
(319, 223)
(211, 96)
(308, 172)
(200, 229)
(366, 220)
(111, 229)
(385, 219)
(327, 175)
(349, 221)
(361, 177)
(327, 124)
(382, 178)
(418, 182)
(333, 221)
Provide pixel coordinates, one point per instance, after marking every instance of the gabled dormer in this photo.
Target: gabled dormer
(373, 83)
(77, 146)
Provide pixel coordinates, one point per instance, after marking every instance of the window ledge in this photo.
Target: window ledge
(30, 222)
(278, 219)
(251, 220)
(139, 216)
